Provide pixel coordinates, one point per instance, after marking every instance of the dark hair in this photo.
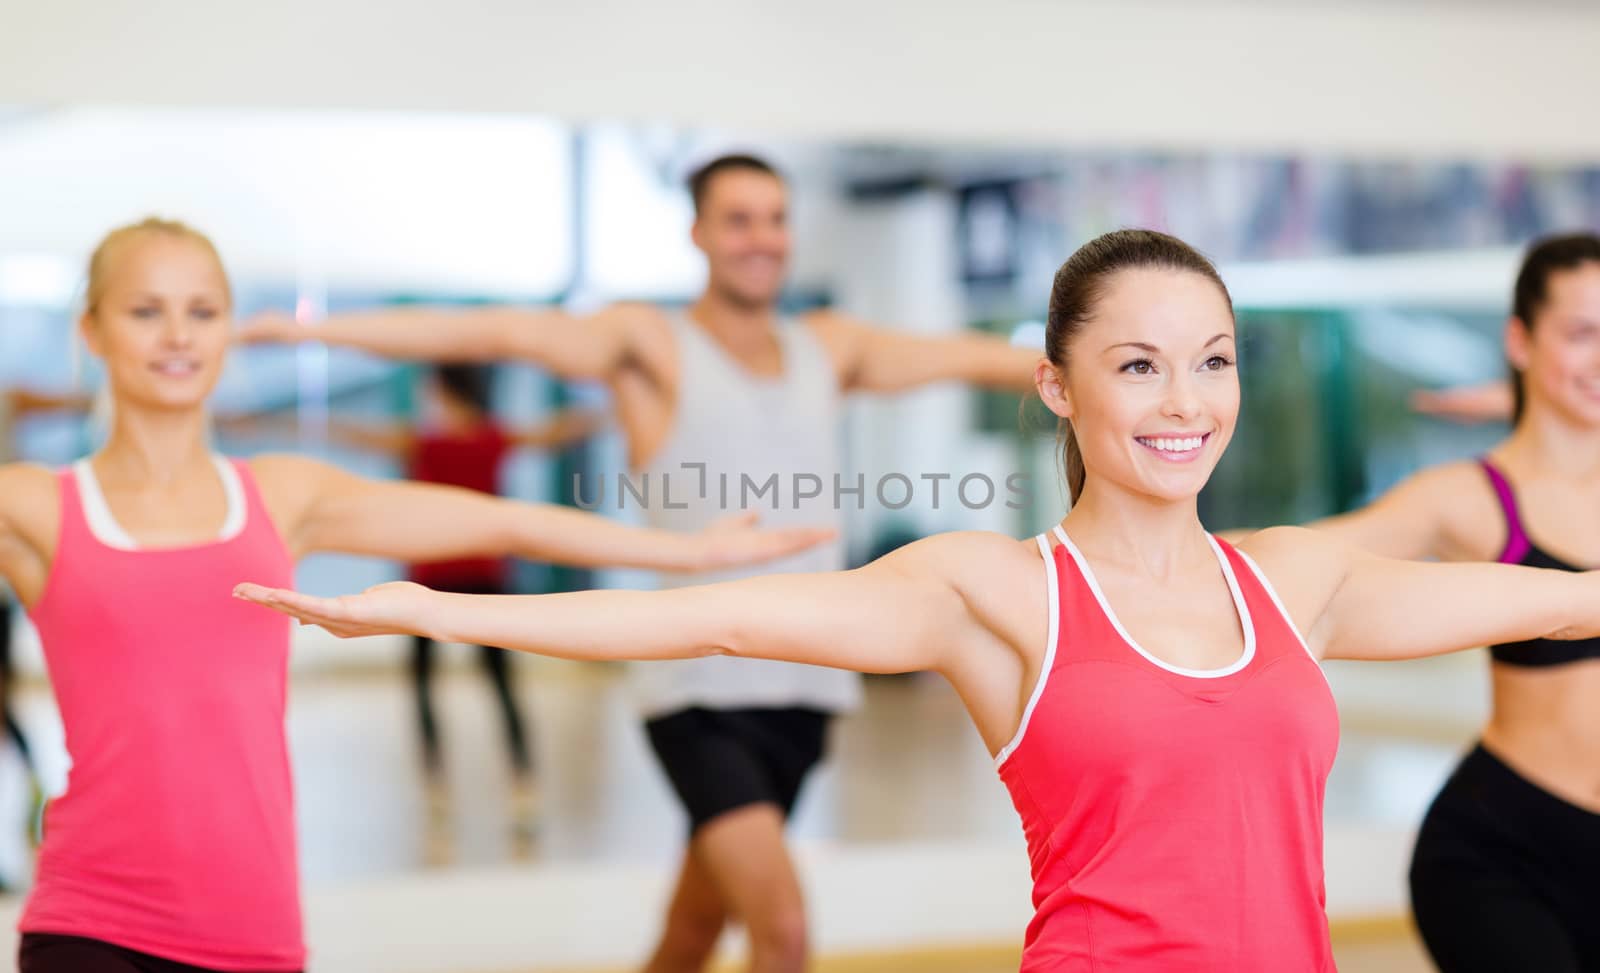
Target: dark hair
(465, 383)
(1545, 257)
(700, 179)
(1078, 287)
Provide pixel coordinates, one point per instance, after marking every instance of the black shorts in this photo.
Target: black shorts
(49, 953)
(720, 760)
(1506, 876)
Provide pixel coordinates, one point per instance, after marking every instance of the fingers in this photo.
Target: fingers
(305, 607)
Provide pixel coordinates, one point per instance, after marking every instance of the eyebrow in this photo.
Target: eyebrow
(1142, 346)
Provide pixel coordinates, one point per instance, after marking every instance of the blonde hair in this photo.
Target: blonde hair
(122, 237)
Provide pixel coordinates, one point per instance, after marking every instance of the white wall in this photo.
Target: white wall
(1404, 77)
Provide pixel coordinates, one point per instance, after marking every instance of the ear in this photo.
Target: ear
(89, 330)
(695, 235)
(1052, 389)
(1518, 343)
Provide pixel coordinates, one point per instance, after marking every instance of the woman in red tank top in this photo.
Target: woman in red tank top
(1151, 694)
(173, 846)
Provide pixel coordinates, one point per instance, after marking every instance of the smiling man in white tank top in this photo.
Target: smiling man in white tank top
(726, 392)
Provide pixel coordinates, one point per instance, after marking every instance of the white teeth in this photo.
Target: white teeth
(1168, 445)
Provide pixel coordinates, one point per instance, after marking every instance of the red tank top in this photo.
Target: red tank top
(176, 834)
(471, 460)
(1173, 817)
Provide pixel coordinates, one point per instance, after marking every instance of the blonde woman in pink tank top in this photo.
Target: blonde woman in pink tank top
(1151, 694)
(173, 847)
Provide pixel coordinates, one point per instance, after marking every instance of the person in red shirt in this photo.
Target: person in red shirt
(458, 442)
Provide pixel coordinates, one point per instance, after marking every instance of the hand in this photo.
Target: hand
(273, 327)
(1470, 404)
(736, 540)
(396, 608)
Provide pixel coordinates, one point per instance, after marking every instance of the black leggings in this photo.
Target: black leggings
(49, 953)
(497, 665)
(1506, 876)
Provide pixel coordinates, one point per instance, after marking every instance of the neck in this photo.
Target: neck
(460, 419)
(733, 320)
(1153, 537)
(1549, 441)
(155, 446)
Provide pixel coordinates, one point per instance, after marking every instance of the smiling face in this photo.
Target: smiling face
(1150, 383)
(742, 228)
(158, 317)
(1559, 355)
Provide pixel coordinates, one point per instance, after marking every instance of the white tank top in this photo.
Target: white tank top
(762, 440)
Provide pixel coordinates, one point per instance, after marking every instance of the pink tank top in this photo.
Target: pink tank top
(176, 834)
(1173, 816)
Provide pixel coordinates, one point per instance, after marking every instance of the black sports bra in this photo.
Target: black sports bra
(1520, 549)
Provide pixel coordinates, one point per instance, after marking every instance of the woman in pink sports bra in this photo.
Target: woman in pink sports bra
(1162, 726)
(173, 848)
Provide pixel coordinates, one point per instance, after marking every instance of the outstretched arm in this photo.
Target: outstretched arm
(1489, 402)
(883, 360)
(1418, 518)
(572, 347)
(566, 427)
(322, 508)
(26, 401)
(898, 614)
(1357, 605)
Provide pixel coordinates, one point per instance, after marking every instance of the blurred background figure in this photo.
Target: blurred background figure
(458, 442)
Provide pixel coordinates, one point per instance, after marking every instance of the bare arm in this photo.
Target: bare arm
(1357, 605)
(572, 347)
(323, 508)
(1418, 518)
(883, 360)
(898, 614)
(30, 510)
(390, 439)
(1489, 402)
(566, 427)
(26, 401)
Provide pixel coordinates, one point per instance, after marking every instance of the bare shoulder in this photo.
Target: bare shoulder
(832, 326)
(967, 552)
(998, 577)
(1458, 501)
(841, 336)
(285, 469)
(1461, 483)
(28, 497)
(643, 329)
(1281, 547)
(637, 320)
(30, 519)
(289, 484)
(1303, 567)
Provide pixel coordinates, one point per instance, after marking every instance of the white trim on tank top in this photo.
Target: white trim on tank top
(1053, 634)
(1239, 605)
(103, 525)
(1261, 578)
